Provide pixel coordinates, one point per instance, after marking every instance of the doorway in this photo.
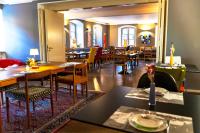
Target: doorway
(162, 17)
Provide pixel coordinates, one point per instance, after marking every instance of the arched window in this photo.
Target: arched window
(72, 28)
(76, 34)
(97, 35)
(126, 36)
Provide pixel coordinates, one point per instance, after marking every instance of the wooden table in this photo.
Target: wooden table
(76, 55)
(98, 111)
(10, 76)
(74, 126)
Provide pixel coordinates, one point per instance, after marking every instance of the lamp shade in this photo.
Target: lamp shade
(34, 51)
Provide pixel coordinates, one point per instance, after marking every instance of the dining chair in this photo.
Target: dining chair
(79, 76)
(120, 60)
(91, 59)
(98, 56)
(148, 52)
(161, 79)
(30, 93)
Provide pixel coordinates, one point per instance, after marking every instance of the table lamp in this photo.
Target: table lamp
(34, 52)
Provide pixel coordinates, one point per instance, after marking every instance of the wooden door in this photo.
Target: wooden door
(55, 37)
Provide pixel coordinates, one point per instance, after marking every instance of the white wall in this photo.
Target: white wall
(113, 35)
(184, 30)
(2, 45)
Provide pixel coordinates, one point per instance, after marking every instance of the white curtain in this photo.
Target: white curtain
(42, 39)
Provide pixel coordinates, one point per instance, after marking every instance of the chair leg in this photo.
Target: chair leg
(28, 113)
(86, 89)
(82, 89)
(33, 102)
(7, 109)
(56, 85)
(2, 98)
(41, 82)
(74, 95)
(114, 70)
(123, 67)
(51, 100)
(19, 102)
(75, 90)
(70, 90)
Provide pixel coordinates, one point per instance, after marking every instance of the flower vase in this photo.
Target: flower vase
(152, 94)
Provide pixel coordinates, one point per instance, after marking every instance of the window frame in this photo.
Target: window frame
(71, 23)
(128, 35)
(94, 35)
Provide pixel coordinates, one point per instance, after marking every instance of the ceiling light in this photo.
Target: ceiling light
(76, 9)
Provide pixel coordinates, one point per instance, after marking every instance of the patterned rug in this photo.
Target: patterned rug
(41, 120)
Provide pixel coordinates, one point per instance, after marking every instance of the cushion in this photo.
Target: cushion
(9, 62)
(34, 93)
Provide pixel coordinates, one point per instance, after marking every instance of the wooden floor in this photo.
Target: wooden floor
(103, 80)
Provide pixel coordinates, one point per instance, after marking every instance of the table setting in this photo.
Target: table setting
(138, 120)
(162, 95)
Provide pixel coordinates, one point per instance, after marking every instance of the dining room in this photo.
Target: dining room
(100, 67)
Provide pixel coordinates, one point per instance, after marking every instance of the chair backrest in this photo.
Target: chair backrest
(37, 75)
(81, 69)
(92, 55)
(162, 79)
(99, 52)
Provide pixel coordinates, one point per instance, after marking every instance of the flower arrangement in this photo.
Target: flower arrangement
(30, 62)
(150, 71)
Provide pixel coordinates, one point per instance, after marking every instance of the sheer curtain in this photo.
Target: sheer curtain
(42, 39)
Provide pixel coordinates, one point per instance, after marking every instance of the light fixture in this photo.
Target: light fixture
(34, 52)
(146, 26)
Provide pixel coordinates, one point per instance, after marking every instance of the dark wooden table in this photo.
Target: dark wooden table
(98, 111)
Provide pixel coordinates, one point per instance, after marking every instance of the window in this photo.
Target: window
(97, 35)
(76, 34)
(126, 36)
(72, 28)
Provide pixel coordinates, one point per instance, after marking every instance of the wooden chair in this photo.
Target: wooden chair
(91, 59)
(120, 60)
(79, 76)
(162, 79)
(98, 56)
(31, 93)
(148, 52)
